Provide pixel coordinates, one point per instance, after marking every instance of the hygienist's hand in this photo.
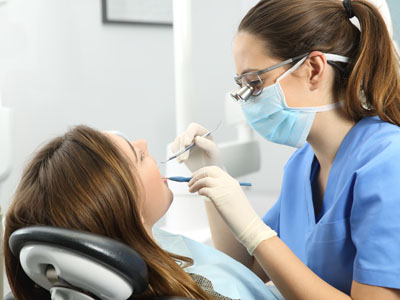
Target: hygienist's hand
(205, 153)
(232, 204)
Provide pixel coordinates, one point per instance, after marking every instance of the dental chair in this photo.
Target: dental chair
(75, 265)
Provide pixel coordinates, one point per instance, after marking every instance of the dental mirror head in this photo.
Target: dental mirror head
(243, 94)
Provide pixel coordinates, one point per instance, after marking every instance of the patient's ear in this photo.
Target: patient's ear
(142, 219)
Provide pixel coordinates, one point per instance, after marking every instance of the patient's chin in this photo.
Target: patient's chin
(170, 200)
(170, 196)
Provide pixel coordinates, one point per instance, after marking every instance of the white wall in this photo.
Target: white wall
(394, 7)
(214, 26)
(60, 66)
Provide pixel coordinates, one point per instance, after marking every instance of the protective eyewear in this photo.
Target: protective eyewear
(251, 83)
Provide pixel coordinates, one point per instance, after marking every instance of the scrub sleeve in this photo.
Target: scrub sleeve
(375, 219)
(358, 235)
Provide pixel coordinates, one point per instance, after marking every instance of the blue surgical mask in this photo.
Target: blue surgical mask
(269, 114)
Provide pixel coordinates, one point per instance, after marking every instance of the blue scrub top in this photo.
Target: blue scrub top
(357, 236)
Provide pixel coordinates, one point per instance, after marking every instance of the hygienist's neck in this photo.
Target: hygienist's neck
(327, 134)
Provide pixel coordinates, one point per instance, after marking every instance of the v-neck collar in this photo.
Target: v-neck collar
(333, 177)
(315, 189)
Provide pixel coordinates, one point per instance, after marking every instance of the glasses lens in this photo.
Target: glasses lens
(254, 81)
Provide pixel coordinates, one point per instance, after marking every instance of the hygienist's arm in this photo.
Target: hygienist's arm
(292, 277)
(224, 241)
(296, 281)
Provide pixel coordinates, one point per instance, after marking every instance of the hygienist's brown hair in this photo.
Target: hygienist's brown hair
(370, 84)
(82, 181)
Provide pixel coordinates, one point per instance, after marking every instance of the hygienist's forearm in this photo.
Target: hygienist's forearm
(224, 241)
(291, 276)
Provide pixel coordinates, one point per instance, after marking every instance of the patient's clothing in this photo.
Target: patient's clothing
(228, 277)
(207, 286)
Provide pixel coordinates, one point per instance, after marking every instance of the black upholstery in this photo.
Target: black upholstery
(110, 253)
(10, 296)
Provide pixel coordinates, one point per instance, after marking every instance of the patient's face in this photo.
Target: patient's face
(158, 197)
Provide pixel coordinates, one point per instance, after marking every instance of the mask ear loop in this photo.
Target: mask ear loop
(292, 69)
(328, 56)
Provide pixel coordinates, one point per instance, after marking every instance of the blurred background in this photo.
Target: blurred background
(61, 65)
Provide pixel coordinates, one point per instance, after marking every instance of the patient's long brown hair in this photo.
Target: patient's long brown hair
(82, 181)
(370, 84)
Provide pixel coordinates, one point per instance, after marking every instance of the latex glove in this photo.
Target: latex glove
(205, 153)
(232, 204)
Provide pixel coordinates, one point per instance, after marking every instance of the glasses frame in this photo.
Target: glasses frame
(258, 73)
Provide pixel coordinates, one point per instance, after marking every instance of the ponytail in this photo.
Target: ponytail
(374, 79)
(370, 83)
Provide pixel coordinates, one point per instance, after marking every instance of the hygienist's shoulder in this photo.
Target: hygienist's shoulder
(374, 136)
(370, 137)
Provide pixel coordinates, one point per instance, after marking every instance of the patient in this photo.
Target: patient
(99, 182)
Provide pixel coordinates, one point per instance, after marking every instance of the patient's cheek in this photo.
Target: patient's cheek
(156, 205)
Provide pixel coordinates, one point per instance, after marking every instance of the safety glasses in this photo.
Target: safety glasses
(251, 83)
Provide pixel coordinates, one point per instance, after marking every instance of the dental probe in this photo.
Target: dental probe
(190, 146)
(187, 179)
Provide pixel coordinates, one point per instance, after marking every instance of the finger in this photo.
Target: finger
(189, 135)
(210, 171)
(185, 155)
(199, 174)
(204, 143)
(195, 129)
(206, 172)
(187, 138)
(206, 192)
(202, 183)
(174, 146)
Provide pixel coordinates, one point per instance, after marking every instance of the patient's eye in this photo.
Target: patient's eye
(142, 155)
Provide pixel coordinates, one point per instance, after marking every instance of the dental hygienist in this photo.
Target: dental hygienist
(311, 79)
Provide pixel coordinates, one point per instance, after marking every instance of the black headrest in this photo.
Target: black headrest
(110, 253)
(171, 298)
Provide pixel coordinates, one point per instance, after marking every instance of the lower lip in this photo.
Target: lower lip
(165, 181)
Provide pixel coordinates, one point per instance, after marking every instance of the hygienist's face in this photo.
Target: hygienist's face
(250, 55)
(157, 195)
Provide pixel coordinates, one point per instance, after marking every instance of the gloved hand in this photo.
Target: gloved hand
(232, 204)
(205, 153)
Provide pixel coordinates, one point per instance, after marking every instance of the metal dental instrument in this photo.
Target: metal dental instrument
(190, 146)
(187, 179)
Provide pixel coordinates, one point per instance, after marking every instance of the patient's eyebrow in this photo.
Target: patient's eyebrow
(133, 149)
